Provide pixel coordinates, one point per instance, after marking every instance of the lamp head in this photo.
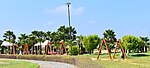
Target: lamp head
(68, 3)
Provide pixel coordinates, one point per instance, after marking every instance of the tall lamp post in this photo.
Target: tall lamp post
(68, 5)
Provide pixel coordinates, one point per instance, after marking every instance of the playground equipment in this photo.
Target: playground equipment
(49, 47)
(109, 54)
(13, 49)
(122, 50)
(25, 49)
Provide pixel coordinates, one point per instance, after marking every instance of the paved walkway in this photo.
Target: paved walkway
(46, 64)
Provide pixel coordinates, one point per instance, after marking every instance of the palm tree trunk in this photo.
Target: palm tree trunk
(32, 49)
(13, 49)
(60, 49)
(24, 49)
(51, 49)
(46, 51)
(9, 49)
(36, 48)
(27, 49)
(40, 49)
(2, 50)
(145, 48)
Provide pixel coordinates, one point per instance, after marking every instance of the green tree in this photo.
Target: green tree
(40, 39)
(131, 43)
(1, 42)
(68, 34)
(13, 43)
(23, 40)
(32, 40)
(55, 39)
(140, 45)
(10, 37)
(75, 50)
(64, 34)
(91, 42)
(109, 36)
(145, 40)
(35, 33)
(48, 35)
(1, 46)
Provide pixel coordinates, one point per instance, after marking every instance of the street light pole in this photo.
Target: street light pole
(68, 5)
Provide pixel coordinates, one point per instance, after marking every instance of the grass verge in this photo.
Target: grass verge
(79, 61)
(134, 60)
(17, 64)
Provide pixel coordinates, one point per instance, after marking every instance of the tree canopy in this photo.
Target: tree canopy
(90, 42)
(131, 42)
(109, 36)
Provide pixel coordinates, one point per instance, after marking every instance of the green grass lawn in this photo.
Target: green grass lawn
(17, 64)
(135, 60)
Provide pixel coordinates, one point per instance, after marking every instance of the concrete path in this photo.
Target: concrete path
(46, 64)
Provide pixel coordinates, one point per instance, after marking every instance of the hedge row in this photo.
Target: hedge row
(80, 62)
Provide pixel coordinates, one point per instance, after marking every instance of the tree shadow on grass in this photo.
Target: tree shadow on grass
(140, 55)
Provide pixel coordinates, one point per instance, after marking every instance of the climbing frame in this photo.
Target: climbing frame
(62, 44)
(100, 48)
(109, 54)
(122, 50)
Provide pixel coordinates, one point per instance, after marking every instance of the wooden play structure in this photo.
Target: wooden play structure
(25, 49)
(62, 45)
(103, 42)
(13, 49)
(122, 50)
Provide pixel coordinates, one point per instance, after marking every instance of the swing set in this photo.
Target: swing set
(103, 42)
(49, 48)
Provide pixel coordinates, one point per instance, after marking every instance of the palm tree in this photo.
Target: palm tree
(68, 34)
(10, 37)
(55, 38)
(48, 37)
(73, 33)
(2, 50)
(40, 39)
(1, 42)
(109, 36)
(61, 32)
(35, 33)
(145, 40)
(64, 33)
(32, 40)
(24, 41)
(13, 42)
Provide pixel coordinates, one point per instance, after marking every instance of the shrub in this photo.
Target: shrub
(75, 50)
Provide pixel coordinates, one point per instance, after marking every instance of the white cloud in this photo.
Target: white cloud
(63, 10)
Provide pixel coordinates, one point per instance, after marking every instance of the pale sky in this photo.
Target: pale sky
(125, 17)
